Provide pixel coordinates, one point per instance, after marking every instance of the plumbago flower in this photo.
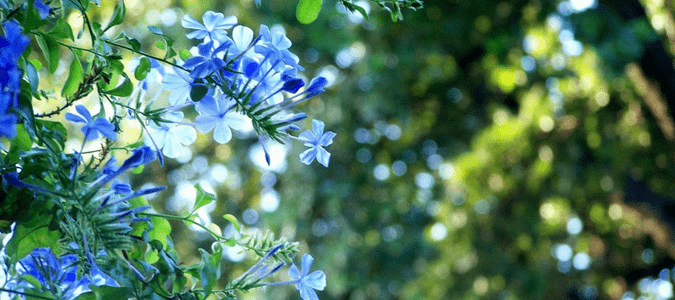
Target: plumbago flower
(316, 140)
(255, 75)
(219, 114)
(12, 46)
(170, 136)
(214, 27)
(304, 281)
(92, 127)
(179, 83)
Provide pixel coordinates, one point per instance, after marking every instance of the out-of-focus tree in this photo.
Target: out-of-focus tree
(485, 149)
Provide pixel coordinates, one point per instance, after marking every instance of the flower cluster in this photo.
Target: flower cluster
(56, 276)
(79, 200)
(12, 46)
(233, 79)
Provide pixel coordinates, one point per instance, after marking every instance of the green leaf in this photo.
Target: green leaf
(123, 90)
(74, 78)
(160, 45)
(155, 30)
(184, 54)
(308, 10)
(107, 292)
(160, 231)
(36, 63)
(138, 170)
(62, 30)
(143, 68)
(50, 49)
(33, 19)
(32, 280)
(209, 271)
(197, 92)
(134, 43)
(22, 141)
(53, 133)
(203, 198)
(30, 235)
(33, 77)
(232, 220)
(117, 17)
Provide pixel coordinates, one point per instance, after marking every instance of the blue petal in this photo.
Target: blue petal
(75, 118)
(316, 280)
(307, 157)
(82, 110)
(190, 23)
(322, 156)
(317, 127)
(327, 138)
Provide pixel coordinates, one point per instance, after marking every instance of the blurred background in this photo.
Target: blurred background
(485, 150)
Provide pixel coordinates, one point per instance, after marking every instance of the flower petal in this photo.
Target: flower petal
(222, 134)
(75, 118)
(293, 272)
(307, 261)
(81, 109)
(190, 23)
(316, 280)
(307, 157)
(322, 156)
(317, 127)
(327, 138)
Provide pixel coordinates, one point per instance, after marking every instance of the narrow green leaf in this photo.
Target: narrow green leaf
(74, 78)
(160, 45)
(123, 90)
(143, 68)
(308, 10)
(33, 77)
(232, 220)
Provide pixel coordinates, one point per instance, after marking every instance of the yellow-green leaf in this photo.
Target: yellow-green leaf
(308, 10)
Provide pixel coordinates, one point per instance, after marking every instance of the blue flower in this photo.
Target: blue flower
(172, 138)
(307, 282)
(92, 128)
(179, 83)
(242, 37)
(275, 47)
(316, 141)
(12, 46)
(58, 274)
(207, 61)
(218, 114)
(141, 156)
(42, 8)
(214, 26)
